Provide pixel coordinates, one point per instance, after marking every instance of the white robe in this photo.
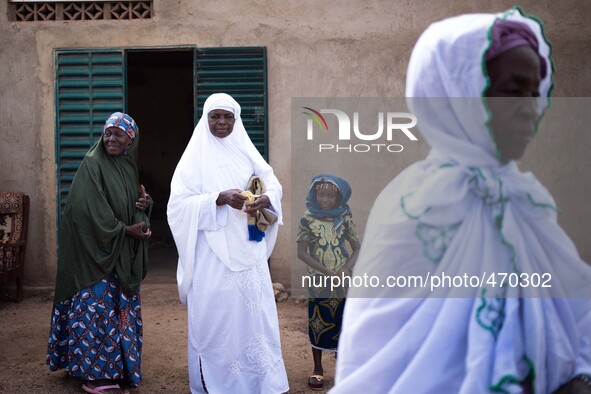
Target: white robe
(232, 323)
(222, 276)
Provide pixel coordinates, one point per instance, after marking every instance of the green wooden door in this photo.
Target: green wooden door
(242, 73)
(89, 86)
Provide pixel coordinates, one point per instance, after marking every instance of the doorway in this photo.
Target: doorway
(160, 98)
(163, 89)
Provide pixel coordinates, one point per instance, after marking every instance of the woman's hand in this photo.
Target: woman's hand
(305, 256)
(143, 202)
(259, 203)
(575, 386)
(137, 231)
(344, 271)
(232, 198)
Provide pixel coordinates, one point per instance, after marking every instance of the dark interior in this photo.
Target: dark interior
(160, 99)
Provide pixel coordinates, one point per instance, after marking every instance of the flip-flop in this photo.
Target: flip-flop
(316, 382)
(99, 389)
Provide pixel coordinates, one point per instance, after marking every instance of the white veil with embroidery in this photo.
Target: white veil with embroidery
(460, 211)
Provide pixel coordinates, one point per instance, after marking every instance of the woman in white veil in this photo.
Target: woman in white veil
(223, 277)
(468, 210)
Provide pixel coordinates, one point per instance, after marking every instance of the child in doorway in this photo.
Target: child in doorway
(323, 232)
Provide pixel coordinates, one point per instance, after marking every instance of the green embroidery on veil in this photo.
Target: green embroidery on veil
(436, 239)
(490, 315)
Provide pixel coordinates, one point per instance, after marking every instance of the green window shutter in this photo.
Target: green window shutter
(89, 86)
(242, 73)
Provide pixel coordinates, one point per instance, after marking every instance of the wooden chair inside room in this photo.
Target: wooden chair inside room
(14, 219)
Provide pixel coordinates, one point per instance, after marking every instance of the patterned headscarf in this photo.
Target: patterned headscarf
(340, 208)
(123, 122)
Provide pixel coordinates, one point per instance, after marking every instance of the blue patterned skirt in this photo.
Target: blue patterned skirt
(97, 334)
(325, 317)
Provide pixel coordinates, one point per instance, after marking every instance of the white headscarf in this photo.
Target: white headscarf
(446, 84)
(461, 211)
(448, 62)
(212, 165)
(445, 88)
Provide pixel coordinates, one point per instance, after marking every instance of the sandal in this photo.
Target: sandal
(316, 382)
(100, 389)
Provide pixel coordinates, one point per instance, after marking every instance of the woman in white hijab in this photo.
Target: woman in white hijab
(467, 210)
(223, 277)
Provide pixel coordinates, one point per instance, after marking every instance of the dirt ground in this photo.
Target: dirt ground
(24, 330)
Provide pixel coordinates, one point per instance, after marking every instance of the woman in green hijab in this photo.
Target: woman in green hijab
(96, 325)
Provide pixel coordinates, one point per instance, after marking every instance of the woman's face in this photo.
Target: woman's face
(511, 97)
(116, 141)
(221, 122)
(326, 198)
